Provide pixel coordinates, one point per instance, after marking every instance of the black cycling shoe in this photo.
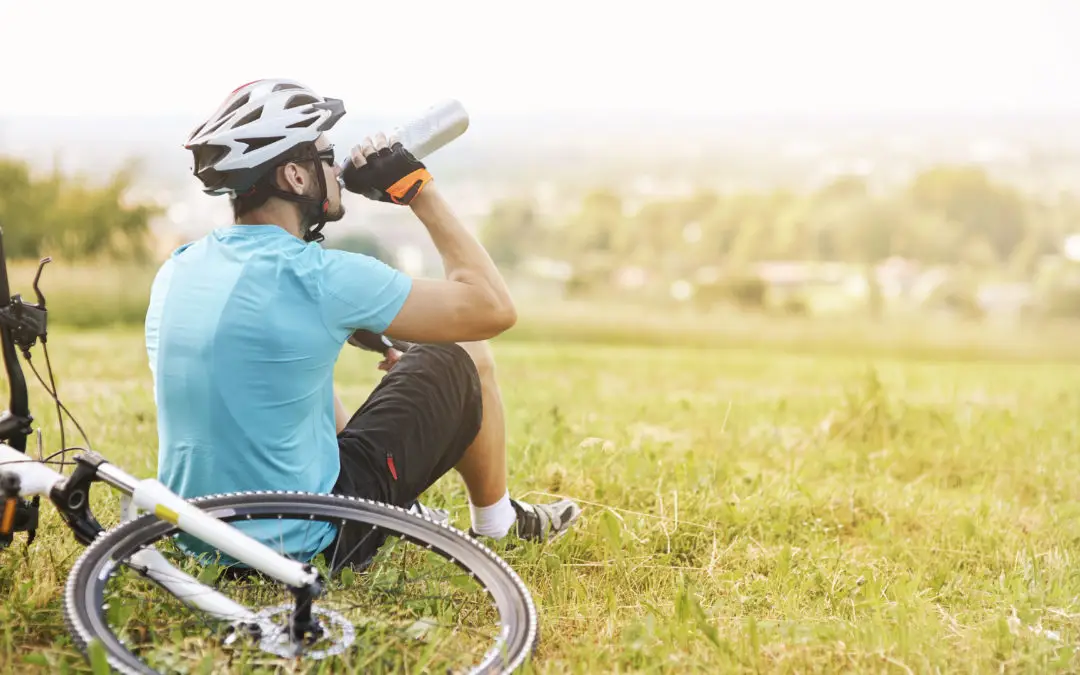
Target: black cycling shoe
(541, 522)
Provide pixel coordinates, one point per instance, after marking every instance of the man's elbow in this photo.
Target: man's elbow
(506, 317)
(498, 317)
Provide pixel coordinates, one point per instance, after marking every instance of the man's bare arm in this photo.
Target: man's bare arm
(472, 303)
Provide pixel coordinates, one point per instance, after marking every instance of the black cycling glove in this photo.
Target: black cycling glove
(390, 175)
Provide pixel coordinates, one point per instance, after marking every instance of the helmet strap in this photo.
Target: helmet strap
(312, 208)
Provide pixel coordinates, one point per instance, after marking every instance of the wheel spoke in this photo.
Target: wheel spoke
(349, 555)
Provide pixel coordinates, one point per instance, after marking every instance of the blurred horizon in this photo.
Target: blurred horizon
(518, 155)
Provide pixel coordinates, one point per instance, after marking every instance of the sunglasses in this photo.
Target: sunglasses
(327, 156)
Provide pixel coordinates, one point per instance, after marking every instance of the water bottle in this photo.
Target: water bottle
(432, 129)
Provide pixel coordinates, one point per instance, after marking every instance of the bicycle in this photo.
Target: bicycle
(156, 545)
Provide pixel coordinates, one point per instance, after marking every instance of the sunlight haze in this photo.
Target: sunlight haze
(123, 57)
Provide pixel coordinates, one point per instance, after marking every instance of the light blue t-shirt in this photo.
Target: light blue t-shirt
(243, 330)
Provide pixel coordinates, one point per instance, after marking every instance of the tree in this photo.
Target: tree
(596, 227)
(967, 197)
(510, 232)
(364, 243)
(17, 202)
(69, 217)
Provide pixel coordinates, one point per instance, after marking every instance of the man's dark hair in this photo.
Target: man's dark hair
(263, 188)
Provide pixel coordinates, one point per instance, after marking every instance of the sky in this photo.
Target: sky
(121, 57)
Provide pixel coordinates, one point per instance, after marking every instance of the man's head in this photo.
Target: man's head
(295, 179)
(265, 148)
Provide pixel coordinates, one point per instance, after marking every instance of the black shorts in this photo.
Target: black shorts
(413, 428)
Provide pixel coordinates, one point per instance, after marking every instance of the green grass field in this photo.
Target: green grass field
(746, 509)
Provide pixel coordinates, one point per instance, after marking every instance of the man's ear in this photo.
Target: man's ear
(293, 179)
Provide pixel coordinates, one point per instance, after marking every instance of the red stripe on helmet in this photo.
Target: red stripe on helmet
(242, 86)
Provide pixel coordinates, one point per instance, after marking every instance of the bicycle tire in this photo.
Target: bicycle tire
(85, 587)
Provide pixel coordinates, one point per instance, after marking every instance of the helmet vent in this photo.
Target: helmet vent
(217, 125)
(250, 117)
(285, 85)
(208, 155)
(302, 123)
(300, 99)
(237, 104)
(256, 143)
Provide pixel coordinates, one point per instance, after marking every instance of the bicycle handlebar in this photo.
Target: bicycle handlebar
(5, 289)
(19, 401)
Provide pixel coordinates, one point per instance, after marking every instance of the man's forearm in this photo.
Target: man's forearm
(464, 259)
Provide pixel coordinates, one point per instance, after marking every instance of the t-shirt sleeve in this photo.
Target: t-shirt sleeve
(359, 291)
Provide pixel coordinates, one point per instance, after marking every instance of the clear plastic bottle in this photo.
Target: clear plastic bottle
(432, 129)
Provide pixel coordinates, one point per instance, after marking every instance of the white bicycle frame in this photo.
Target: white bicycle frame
(150, 495)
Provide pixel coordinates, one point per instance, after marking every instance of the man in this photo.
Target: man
(245, 325)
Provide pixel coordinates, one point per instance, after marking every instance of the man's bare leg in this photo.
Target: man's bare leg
(483, 466)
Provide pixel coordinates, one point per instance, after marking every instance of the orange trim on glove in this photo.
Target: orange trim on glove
(403, 191)
(9, 516)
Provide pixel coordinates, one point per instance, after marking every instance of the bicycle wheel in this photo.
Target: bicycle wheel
(426, 570)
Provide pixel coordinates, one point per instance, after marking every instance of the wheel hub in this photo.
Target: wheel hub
(336, 635)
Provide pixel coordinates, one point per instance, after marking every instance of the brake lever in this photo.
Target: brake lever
(27, 321)
(37, 277)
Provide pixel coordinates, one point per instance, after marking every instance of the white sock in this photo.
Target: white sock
(493, 521)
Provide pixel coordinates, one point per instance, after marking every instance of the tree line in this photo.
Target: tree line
(946, 215)
(72, 217)
(953, 216)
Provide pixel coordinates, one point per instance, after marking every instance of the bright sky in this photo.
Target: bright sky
(123, 56)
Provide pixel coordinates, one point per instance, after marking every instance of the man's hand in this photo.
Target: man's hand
(384, 171)
(392, 357)
(376, 343)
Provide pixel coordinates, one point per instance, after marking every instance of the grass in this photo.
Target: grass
(747, 509)
(87, 294)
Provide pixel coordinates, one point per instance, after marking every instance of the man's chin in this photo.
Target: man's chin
(336, 215)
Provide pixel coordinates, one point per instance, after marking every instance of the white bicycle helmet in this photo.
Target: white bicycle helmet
(255, 125)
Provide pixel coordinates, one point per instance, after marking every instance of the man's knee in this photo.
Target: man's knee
(482, 357)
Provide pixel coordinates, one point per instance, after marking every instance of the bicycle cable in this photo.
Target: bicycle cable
(61, 409)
